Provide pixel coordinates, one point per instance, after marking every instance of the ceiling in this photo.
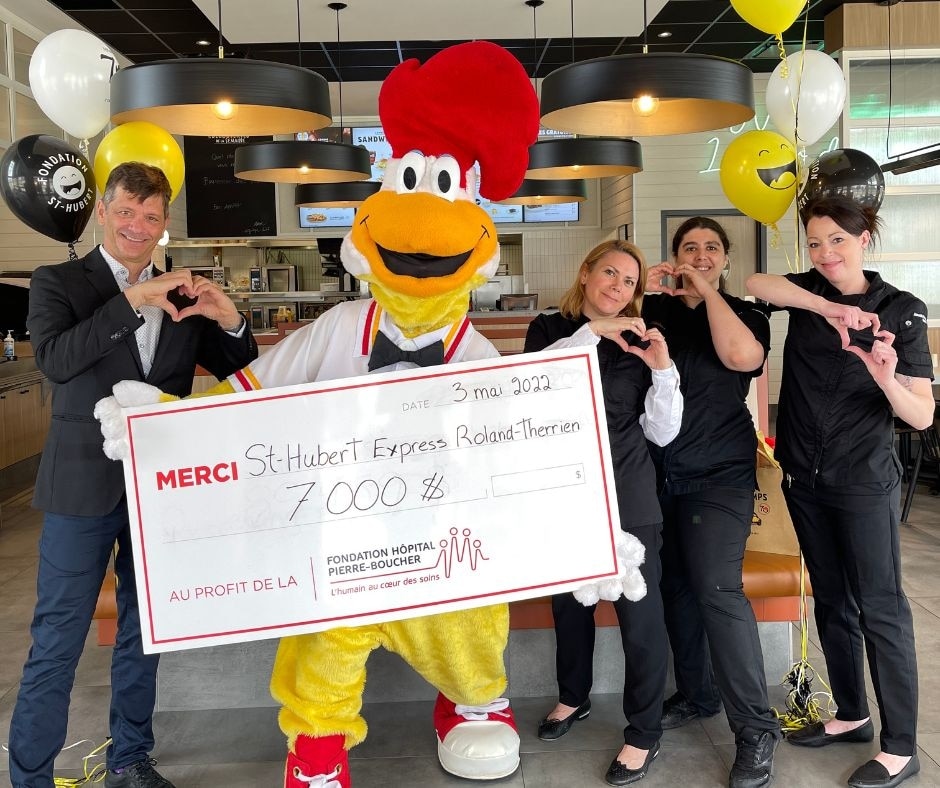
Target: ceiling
(376, 35)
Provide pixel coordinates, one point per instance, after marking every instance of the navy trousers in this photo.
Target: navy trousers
(849, 537)
(643, 634)
(73, 558)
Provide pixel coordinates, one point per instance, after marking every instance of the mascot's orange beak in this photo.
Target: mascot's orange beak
(421, 244)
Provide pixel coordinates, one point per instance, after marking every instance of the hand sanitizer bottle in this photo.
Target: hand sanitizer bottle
(8, 347)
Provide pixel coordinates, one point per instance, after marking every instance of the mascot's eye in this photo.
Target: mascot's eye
(445, 177)
(410, 171)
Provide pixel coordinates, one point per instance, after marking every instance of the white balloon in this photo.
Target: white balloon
(70, 76)
(818, 81)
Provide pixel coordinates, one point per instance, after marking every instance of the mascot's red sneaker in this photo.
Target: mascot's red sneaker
(476, 742)
(320, 762)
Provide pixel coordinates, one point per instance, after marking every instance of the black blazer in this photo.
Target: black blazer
(82, 331)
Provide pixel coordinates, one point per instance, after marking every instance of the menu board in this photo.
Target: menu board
(219, 205)
(373, 139)
(559, 212)
(326, 217)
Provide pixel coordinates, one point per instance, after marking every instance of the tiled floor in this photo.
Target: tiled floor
(244, 749)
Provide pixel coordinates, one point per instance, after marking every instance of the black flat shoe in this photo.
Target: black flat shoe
(618, 774)
(549, 730)
(815, 735)
(873, 775)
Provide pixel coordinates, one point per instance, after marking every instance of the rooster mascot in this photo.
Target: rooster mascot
(422, 243)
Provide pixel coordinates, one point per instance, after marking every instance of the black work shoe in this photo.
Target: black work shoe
(677, 711)
(619, 774)
(753, 761)
(814, 735)
(137, 775)
(873, 775)
(549, 730)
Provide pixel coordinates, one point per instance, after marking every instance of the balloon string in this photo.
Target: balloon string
(798, 263)
(782, 50)
(72, 253)
(83, 147)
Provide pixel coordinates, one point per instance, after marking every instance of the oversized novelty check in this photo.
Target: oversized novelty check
(369, 499)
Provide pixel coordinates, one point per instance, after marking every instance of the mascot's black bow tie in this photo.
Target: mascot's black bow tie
(385, 352)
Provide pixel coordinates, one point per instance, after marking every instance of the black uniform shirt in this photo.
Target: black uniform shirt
(625, 380)
(835, 426)
(716, 446)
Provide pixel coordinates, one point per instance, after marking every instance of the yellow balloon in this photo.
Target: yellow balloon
(144, 142)
(771, 16)
(758, 175)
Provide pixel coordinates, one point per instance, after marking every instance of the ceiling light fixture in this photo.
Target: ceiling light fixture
(584, 157)
(221, 97)
(302, 161)
(543, 192)
(349, 193)
(647, 95)
(334, 195)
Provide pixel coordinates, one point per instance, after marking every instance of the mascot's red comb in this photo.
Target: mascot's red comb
(473, 101)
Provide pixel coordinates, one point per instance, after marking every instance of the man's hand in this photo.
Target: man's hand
(212, 303)
(154, 291)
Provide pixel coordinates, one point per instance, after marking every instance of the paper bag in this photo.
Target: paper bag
(771, 527)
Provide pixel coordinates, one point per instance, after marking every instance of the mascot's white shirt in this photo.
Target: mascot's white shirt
(338, 343)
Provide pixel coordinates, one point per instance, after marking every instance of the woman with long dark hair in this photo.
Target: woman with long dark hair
(706, 479)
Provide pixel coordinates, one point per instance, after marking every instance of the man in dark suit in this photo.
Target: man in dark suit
(106, 317)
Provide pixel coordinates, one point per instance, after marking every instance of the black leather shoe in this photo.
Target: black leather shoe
(815, 735)
(873, 775)
(677, 711)
(753, 761)
(137, 775)
(618, 774)
(549, 730)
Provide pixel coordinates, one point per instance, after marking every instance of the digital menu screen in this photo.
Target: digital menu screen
(326, 217)
(380, 151)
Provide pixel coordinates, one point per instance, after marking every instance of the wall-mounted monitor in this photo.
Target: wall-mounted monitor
(326, 217)
(380, 151)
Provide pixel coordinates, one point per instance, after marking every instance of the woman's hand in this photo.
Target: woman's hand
(655, 276)
(693, 283)
(842, 317)
(882, 361)
(612, 327)
(656, 354)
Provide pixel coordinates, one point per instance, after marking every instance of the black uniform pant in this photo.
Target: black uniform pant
(707, 613)
(643, 634)
(849, 537)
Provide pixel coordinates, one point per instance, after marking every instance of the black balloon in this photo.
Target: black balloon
(844, 172)
(49, 186)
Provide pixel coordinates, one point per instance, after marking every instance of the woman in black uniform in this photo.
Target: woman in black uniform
(641, 396)
(856, 354)
(706, 479)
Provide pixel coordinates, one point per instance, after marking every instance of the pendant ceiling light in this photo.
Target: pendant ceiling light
(584, 157)
(221, 96)
(648, 95)
(544, 192)
(303, 161)
(334, 195)
(343, 193)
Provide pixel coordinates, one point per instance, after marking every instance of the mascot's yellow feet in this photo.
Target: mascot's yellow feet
(476, 742)
(320, 762)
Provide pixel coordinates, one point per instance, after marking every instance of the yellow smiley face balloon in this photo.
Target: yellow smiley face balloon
(758, 175)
